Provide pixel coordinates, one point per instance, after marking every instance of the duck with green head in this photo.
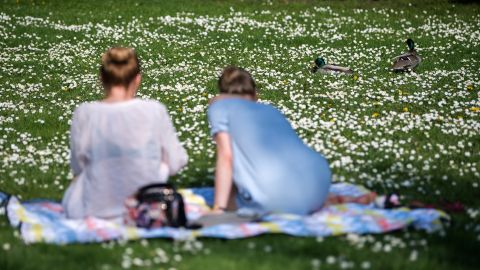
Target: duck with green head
(321, 66)
(407, 61)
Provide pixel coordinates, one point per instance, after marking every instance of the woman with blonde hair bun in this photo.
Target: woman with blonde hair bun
(120, 143)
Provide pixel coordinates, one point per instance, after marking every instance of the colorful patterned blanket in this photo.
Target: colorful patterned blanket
(44, 221)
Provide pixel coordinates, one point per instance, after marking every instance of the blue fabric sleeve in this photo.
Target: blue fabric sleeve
(217, 118)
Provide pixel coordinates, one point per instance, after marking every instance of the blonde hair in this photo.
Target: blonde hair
(119, 66)
(236, 81)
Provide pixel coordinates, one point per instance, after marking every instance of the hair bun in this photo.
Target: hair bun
(119, 66)
(120, 55)
(118, 62)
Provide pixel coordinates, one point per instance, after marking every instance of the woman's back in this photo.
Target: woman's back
(272, 166)
(117, 148)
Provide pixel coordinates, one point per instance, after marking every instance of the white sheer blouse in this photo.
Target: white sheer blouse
(115, 149)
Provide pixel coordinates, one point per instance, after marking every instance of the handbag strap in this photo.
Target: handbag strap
(156, 185)
(153, 192)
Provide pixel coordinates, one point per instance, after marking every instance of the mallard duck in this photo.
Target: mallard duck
(408, 60)
(322, 67)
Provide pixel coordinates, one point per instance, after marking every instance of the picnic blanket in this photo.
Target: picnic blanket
(44, 220)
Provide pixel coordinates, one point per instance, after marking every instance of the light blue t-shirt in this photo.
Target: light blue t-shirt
(272, 168)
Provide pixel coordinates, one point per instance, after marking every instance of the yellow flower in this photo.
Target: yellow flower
(405, 109)
(355, 77)
(475, 109)
(470, 87)
(333, 120)
(375, 114)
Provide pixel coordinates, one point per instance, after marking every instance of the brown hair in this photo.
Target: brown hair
(119, 66)
(237, 81)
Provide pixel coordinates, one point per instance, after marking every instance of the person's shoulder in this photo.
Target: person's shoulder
(149, 103)
(84, 111)
(152, 104)
(269, 110)
(85, 107)
(225, 102)
(222, 104)
(267, 105)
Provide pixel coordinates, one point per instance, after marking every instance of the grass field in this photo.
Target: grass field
(415, 133)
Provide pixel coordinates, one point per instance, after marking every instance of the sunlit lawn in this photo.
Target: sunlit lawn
(414, 133)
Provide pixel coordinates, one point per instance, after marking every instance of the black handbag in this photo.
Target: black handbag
(154, 206)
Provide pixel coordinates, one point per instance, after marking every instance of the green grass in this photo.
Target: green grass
(50, 50)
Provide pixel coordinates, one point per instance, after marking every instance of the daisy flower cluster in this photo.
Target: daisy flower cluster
(416, 131)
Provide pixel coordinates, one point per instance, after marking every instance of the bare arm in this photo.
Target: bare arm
(224, 171)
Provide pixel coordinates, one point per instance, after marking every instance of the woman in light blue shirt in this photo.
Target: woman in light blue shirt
(259, 155)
